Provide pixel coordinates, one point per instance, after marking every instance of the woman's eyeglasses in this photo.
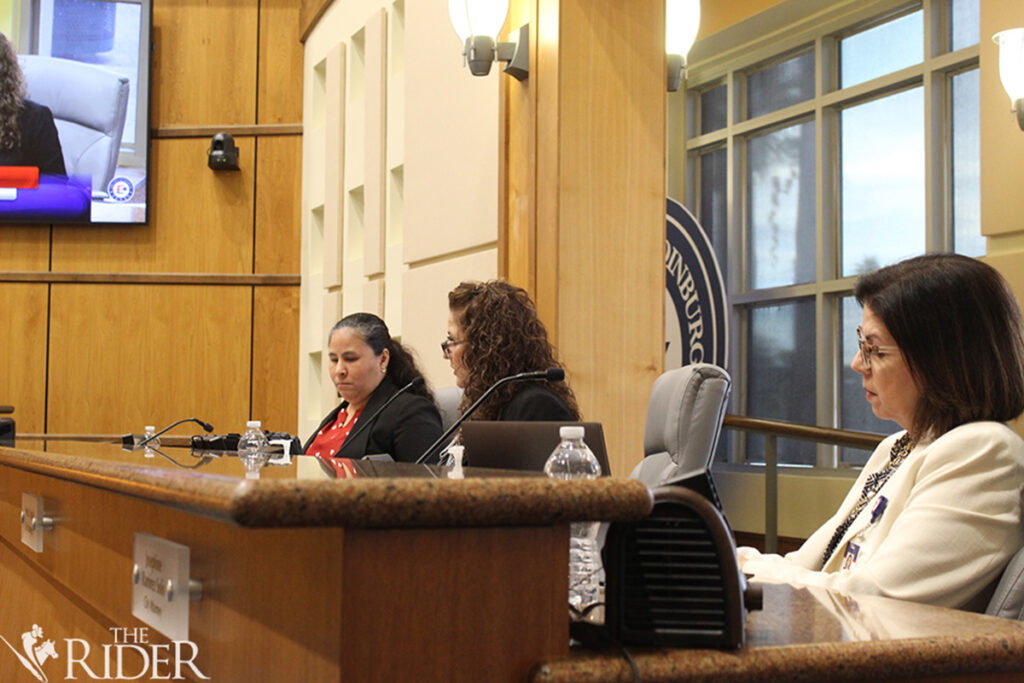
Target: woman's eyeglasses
(868, 350)
(447, 344)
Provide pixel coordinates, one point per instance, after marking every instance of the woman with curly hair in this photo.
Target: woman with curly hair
(494, 332)
(28, 136)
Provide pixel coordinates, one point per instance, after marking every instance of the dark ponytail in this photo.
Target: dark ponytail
(401, 364)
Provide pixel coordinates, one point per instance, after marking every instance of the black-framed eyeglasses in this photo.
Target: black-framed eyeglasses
(868, 350)
(447, 344)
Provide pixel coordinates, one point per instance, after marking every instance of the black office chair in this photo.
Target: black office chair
(6, 426)
(672, 580)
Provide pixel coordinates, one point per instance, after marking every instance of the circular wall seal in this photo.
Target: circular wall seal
(696, 313)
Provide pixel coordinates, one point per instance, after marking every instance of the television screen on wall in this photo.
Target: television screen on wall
(88, 63)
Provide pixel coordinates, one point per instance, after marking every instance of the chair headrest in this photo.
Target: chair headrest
(448, 400)
(684, 415)
(88, 95)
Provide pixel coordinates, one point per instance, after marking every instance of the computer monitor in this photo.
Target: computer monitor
(524, 445)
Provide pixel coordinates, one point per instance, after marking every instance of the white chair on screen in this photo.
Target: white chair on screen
(684, 421)
(89, 106)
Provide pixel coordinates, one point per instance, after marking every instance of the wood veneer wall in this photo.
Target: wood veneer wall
(584, 200)
(106, 328)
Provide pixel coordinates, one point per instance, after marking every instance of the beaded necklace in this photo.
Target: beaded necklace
(900, 450)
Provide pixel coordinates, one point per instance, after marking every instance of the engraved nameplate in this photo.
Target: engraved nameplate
(160, 588)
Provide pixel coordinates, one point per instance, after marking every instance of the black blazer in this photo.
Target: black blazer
(40, 145)
(536, 403)
(404, 430)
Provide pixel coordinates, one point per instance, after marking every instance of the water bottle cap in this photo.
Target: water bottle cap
(571, 432)
(150, 428)
(253, 424)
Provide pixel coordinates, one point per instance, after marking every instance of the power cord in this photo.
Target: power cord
(594, 636)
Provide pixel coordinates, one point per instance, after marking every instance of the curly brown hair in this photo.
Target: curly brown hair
(504, 337)
(12, 95)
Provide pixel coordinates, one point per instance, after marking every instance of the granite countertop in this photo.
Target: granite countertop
(813, 634)
(374, 496)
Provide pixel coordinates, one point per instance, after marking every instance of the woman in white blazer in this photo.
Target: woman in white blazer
(935, 514)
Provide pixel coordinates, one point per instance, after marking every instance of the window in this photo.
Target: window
(846, 141)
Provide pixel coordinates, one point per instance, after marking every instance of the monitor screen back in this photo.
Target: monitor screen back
(524, 445)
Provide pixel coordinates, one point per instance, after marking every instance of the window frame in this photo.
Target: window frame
(774, 35)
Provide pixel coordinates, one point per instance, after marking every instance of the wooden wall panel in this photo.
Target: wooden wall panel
(611, 282)
(23, 315)
(280, 82)
(31, 598)
(200, 220)
(275, 358)
(517, 228)
(545, 150)
(278, 204)
(84, 574)
(126, 356)
(593, 255)
(204, 62)
(24, 247)
(474, 555)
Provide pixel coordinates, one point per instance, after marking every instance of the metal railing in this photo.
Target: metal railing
(771, 430)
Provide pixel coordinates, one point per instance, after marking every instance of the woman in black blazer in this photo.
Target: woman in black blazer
(494, 332)
(368, 367)
(28, 135)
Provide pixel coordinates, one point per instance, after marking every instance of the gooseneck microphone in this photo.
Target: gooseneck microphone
(128, 440)
(365, 424)
(549, 375)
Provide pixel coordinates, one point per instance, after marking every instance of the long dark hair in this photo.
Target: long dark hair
(504, 336)
(959, 328)
(12, 95)
(401, 364)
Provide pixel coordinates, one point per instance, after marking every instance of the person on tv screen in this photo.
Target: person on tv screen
(935, 514)
(368, 367)
(493, 332)
(28, 136)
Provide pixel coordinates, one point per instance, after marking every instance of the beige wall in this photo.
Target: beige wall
(400, 192)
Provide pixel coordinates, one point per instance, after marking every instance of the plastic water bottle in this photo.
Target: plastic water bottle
(253, 449)
(149, 451)
(573, 460)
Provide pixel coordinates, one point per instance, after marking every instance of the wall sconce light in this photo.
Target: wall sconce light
(477, 23)
(1011, 68)
(682, 19)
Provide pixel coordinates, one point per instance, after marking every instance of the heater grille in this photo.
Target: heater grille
(672, 578)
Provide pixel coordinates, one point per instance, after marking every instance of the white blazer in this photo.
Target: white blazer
(951, 523)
